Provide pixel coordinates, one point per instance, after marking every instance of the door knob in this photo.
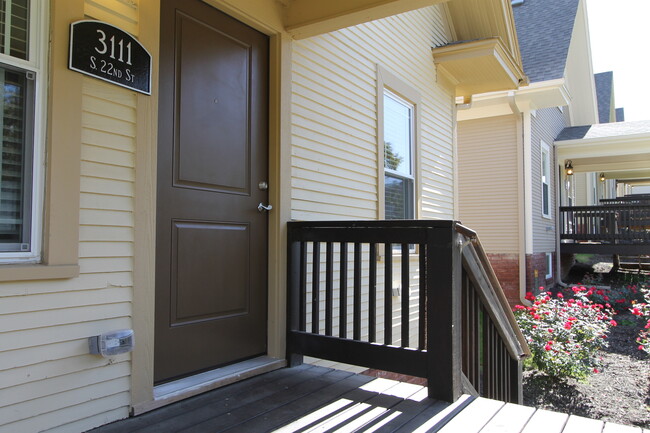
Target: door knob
(262, 208)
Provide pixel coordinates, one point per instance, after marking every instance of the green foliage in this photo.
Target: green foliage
(392, 159)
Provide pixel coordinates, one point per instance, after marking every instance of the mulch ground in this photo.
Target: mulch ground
(620, 393)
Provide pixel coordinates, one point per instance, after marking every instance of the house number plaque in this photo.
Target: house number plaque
(106, 52)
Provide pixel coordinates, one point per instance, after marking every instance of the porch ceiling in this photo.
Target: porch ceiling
(305, 18)
(619, 150)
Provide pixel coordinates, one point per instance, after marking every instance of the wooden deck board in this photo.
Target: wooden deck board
(475, 416)
(618, 428)
(578, 424)
(331, 397)
(246, 395)
(512, 418)
(544, 421)
(317, 399)
(259, 407)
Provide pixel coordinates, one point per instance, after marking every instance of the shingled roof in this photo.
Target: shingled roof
(604, 130)
(604, 87)
(544, 29)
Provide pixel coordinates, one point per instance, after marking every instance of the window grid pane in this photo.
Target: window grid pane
(398, 158)
(14, 27)
(14, 206)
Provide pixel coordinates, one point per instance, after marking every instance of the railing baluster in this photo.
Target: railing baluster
(406, 292)
(388, 293)
(302, 315)
(343, 291)
(329, 287)
(356, 314)
(315, 289)
(372, 293)
(422, 324)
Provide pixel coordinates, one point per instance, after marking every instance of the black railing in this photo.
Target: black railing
(614, 223)
(452, 324)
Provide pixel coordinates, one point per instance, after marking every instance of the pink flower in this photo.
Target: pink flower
(596, 370)
(636, 311)
(550, 330)
(568, 325)
(560, 295)
(548, 346)
(606, 298)
(613, 322)
(640, 347)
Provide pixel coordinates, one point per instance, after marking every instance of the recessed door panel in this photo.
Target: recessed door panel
(210, 271)
(212, 117)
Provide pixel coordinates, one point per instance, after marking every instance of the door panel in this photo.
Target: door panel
(211, 241)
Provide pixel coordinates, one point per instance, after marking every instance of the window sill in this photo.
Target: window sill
(37, 272)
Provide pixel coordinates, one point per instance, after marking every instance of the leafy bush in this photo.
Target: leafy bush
(619, 299)
(564, 334)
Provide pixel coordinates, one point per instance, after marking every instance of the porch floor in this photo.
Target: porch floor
(310, 398)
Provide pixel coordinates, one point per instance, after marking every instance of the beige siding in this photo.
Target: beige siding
(334, 131)
(488, 184)
(47, 378)
(335, 162)
(546, 125)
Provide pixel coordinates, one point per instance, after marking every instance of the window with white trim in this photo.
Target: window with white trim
(549, 265)
(399, 172)
(546, 180)
(21, 125)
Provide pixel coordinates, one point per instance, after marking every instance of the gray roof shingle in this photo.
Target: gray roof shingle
(604, 130)
(544, 29)
(604, 87)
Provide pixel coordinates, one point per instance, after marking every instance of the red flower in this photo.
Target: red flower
(596, 370)
(613, 322)
(560, 295)
(640, 347)
(606, 298)
(529, 296)
(636, 311)
(550, 330)
(548, 346)
(568, 325)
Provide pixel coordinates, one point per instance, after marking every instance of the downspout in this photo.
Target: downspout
(523, 185)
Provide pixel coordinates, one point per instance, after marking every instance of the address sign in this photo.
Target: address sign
(106, 52)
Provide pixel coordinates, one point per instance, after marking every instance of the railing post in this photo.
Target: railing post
(293, 296)
(443, 283)
(516, 382)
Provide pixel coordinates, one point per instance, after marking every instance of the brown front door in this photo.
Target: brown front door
(211, 240)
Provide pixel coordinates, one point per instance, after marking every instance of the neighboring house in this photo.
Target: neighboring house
(508, 171)
(121, 208)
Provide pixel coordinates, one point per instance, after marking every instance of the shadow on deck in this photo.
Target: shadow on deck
(297, 399)
(317, 399)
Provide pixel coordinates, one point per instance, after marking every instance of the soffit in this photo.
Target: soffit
(478, 66)
(305, 18)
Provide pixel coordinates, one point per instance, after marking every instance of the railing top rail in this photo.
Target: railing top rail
(606, 207)
(501, 310)
(374, 224)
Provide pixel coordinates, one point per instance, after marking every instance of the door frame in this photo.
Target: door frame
(142, 395)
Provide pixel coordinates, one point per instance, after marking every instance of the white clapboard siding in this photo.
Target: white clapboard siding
(488, 184)
(334, 115)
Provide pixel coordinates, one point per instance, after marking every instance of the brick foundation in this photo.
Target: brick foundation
(536, 272)
(506, 268)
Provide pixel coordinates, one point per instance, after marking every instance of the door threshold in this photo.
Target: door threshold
(181, 389)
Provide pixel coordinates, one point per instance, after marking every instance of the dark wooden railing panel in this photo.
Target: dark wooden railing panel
(608, 223)
(465, 339)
